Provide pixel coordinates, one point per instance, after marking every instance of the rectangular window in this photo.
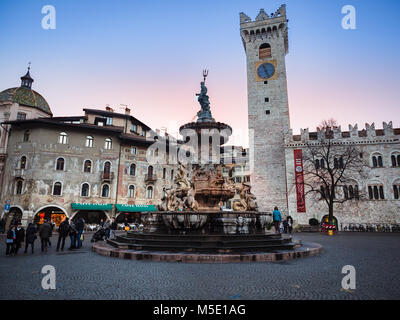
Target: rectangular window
(134, 128)
(21, 116)
(109, 121)
(266, 99)
(143, 133)
(267, 112)
(133, 151)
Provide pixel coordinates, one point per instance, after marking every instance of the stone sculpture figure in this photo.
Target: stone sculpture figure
(205, 113)
(190, 202)
(247, 199)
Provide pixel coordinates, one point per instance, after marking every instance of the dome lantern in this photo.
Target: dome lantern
(26, 80)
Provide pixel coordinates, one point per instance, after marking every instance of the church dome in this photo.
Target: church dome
(24, 95)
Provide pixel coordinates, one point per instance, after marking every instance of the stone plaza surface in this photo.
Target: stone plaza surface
(82, 274)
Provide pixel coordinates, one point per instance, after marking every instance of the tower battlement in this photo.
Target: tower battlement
(369, 132)
(264, 26)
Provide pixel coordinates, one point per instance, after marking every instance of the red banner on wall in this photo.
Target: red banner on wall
(299, 175)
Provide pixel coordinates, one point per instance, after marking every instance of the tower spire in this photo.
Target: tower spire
(26, 80)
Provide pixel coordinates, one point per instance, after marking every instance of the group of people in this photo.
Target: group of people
(16, 235)
(282, 225)
(109, 227)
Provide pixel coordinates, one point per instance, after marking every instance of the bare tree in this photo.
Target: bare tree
(329, 164)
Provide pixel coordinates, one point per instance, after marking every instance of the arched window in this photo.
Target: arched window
(23, 163)
(108, 144)
(85, 190)
(396, 191)
(377, 161)
(26, 135)
(380, 161)
(60, 164)
(172, 174)
(374, 162)
(89, 142)
(132, 169)
(131, 191)
(149, 192)
(105, 191)
(164, 173)
(107, 167)
(63, 138)
(322, 163)
(264, 51)
(335, 163)
(317, 166)
(376, 192)
(18, 189)
(57, 187)
(395, 157)
(87, 167)
(150, 171)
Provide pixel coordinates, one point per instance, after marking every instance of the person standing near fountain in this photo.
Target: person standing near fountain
(277, 218)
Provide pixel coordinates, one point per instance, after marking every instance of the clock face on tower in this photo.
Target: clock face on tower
(266, 70)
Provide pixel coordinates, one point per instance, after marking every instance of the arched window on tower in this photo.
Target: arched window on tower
(105, 191)
(264, 51)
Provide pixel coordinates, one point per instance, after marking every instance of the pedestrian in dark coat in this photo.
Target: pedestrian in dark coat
(19, 237)
(72, 234)
(79, 226)
(30, 237)
(10, 241)
(63, 231)
(45, 234)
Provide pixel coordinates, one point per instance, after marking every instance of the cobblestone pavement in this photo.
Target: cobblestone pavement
(83, 274)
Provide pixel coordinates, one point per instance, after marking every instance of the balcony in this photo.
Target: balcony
(107, 176)
(150, 177)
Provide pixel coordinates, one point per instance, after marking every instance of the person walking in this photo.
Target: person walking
(277, 218)
(72, 235)
(79, 226)
(2, 225)
(45, 234)
(289, 221)
(52, 224)
(19, 237)
(107, 229)
(113, 228)
(10, 241)
(63, 231)
(30, 237)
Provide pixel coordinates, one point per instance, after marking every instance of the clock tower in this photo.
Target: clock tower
(265, 41)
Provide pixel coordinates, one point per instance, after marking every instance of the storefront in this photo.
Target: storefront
(50, 213)
(92, 213)
(131, 213)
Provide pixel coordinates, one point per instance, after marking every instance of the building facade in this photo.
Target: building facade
(93, 165)
(273, 145)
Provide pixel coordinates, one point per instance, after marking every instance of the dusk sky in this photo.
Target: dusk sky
(150, 55)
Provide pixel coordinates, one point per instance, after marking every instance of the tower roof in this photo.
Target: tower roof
(24, 95)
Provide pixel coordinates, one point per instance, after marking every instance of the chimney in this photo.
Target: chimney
(127, 111)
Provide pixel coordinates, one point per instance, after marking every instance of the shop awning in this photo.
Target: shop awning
(91, 206)
(135, 207)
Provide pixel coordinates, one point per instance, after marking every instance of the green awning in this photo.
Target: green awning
(91, 206)
(135, 207)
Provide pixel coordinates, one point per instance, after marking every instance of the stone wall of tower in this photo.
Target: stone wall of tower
(268, 121)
